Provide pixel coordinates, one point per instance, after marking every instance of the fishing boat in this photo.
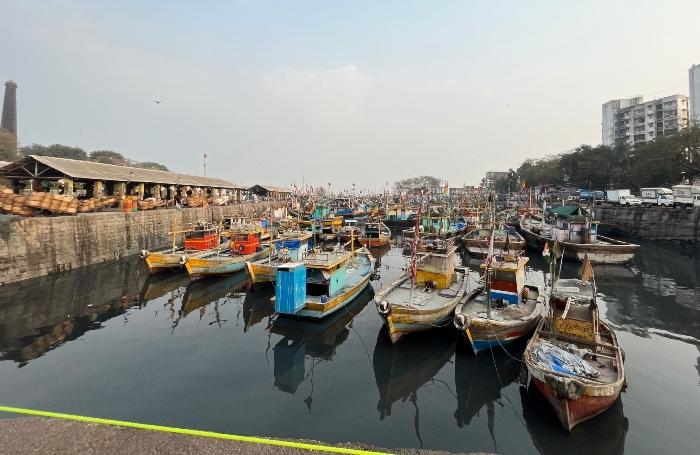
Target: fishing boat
(577, 232)
(203, 238)
(574, 358)
(503, 310)
(291, 246)
(323, 283)
(375, 235)
(350, 229)
(505, 241)
(245, 247)
(426, 295)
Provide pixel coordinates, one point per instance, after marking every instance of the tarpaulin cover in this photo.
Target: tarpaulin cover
(560, 361)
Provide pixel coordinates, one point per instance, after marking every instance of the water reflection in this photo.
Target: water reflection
(604, 434)
(401, 369)
(38, 315)
(316, 340)
(479, 381)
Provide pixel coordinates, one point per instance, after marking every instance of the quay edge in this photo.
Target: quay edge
(39, 246)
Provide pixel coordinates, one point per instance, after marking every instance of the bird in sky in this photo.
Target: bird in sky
(156, 101)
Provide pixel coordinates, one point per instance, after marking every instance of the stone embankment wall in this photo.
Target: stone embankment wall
(33, 247)
(651, 223)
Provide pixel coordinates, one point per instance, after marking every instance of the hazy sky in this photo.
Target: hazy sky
(337, 91)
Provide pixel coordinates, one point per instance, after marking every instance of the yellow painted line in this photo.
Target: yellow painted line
(190, 432)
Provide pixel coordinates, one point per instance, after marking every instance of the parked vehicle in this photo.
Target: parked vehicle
(615, 195)
(657, 196)
(683, 195)
(696, 198)
(591, 195)
(629, 200)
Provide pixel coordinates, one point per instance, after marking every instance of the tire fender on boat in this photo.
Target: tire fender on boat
(461, 322)
(564, 388)
(183, 259)
(383, 307)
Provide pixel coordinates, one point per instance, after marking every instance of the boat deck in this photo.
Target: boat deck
(476, 308)
(423, 299)
(357, 270)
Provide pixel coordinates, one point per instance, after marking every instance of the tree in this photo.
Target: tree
(150, 165)
(108, 157)
(8, 145)
(416, 184)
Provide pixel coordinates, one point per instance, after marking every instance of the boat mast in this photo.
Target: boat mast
(414, 249)
(489, 258)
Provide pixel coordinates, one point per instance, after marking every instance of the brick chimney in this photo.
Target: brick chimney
(9, 108)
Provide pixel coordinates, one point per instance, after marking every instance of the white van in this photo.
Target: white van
(657, 196)
(683, 195)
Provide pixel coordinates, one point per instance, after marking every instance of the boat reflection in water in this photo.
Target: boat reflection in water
(200, 293)
(403, 368)
(158, 285)
(604, 434)
(479, 383)
(317, 339)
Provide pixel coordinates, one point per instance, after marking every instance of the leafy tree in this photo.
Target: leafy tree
(416, 184)
(108, 157)
(150, 165)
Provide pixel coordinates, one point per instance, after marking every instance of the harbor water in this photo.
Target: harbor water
(111, 341)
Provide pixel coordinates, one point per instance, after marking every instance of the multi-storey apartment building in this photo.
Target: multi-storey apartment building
(694, 82)
(635, 121)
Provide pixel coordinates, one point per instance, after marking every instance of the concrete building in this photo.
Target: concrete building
(634, 121)
(694, 83)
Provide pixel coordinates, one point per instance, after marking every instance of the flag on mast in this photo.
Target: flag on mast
(586, 270)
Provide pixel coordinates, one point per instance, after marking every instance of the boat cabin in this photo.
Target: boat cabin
(437, 268)
(245, 242)
(574, 311)
(575, 229)
(376, 230)
(201, 238)
(508, 280)
(321, 275)
(292, 249)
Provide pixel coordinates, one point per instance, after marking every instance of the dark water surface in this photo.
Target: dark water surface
(109, 341)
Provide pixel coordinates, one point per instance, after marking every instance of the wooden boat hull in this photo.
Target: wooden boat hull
(402, 320)
(575, 400)
(261, 272)
(610, 251)
(159, 262)
(374, 242)
(573, 412)
(213, 265)
(480, 248)
(315, 310)
(483, 334)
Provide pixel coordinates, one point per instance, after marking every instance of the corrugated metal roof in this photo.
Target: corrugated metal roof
(78, 169)
(277, 189)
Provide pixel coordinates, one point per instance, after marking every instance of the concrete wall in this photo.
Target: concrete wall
(33, 247)
(651, 223)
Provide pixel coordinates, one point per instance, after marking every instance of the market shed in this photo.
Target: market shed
(90, 179)
(271, 193)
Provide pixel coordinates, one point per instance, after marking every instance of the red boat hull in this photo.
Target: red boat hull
(573, 412)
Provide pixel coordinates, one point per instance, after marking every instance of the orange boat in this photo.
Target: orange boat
(376, 234)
